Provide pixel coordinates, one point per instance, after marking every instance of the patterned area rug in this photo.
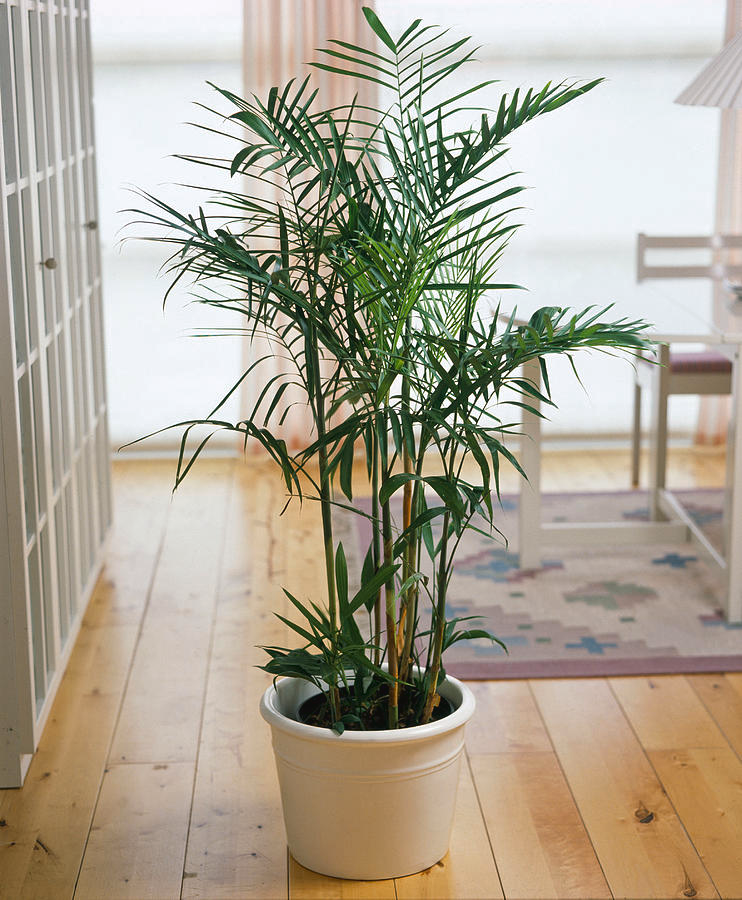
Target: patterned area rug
(609, 610)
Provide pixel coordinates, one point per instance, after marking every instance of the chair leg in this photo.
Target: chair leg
(658, 433)
(637, 435)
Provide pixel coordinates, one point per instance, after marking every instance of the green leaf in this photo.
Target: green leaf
(396, 430)
(417, 525)
(427, 533)
(378, 28)
(341, 575)
(284, 238)
(371, 588)
(302, 632)
(318, 624)
(346, 466)
(408, 432)
(355, 74)
(447, 491)
(239, 158)
(412, 580)
(394, 483)
(368, 569)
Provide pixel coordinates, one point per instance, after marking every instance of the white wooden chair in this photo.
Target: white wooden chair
(706, 372)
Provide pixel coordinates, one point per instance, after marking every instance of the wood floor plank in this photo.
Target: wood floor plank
(46, 822)
(651, 706)
(688, 467)
(540, 844)
(698, 769)
(160, 715)
(506, 720)
(609, 469)
(735, 679)
(141, 499)
(17, 844)
(137, 844)
(640, 842)
(306, 885)
(722, 697)
(557, 470)
(468, 871)
(705, 787)
(237, 844)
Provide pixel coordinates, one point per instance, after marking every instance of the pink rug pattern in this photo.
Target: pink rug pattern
(594, 611)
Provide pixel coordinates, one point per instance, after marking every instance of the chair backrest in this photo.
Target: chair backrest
(715, 242)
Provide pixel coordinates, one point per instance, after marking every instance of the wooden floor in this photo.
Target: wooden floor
(155, 778)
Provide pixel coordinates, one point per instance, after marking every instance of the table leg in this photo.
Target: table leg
(658, 431)
(529, 522)
(733, 549)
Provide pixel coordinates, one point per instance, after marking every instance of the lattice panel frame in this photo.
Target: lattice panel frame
(55, 500)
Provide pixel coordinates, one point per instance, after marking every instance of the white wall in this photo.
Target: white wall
(152, 62)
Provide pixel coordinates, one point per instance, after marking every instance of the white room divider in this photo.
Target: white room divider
(55, 502)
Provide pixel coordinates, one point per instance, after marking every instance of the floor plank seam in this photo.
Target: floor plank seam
(124, 688)
(569, 788)
(467, 760)
(288, 874)
(718, 724)
(664, 789)
(212, 628)
(685, 830)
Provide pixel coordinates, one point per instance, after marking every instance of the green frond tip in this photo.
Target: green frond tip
(378, 28)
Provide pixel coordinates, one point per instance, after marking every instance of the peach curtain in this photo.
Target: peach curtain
(713, 418)
(279, 38)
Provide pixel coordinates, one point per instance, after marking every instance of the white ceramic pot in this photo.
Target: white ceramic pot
(366, 804)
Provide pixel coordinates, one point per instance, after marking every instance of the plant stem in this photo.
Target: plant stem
(391, 619)
(325, 495)
(415, 550)
(440, 625)
(406, 621)
(412, 563)
(376, 542)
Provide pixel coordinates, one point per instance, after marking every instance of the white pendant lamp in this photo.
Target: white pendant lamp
(720, 83)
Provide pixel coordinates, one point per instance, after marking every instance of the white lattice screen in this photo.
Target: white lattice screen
(55, 506)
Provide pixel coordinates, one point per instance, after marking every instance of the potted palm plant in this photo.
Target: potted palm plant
(373, 270)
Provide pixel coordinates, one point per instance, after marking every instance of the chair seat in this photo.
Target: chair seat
(701, 361)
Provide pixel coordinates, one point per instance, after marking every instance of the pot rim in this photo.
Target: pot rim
(270, 711)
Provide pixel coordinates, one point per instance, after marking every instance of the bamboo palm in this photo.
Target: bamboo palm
(373, 273)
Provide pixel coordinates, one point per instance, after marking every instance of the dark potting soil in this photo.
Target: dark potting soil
(316, 711)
